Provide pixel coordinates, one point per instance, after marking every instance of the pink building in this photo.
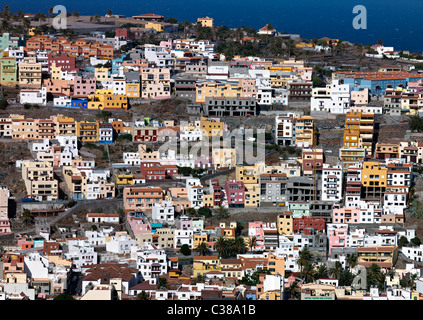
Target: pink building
(337, 238)
(360, 97)
(186, 223)
(235, 193)
(4, 205)
(25, 242)
(138, 224)
(255, 229)
(84, 86)
(345, 215)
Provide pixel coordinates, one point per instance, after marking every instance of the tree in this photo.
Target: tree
(206, 212)
(109, 13)
(143, 296)
(403, 241)
(415, 123)
(352, 260)
(185, 250)
(317, 81)
(171, 20)
(76, 14)
(162, 283)
(220, 246)
(380, 42)
(336, 270)
(3, 104)
(307, 273)
(304, 258)
(63, 296)
(321, 273)
(375, 277)
(191, 211)
(346, 278)
(294, 290)
(202, 249)
(94, 227)
(27, 217)
(50, 11)
(239, 245)
(252, 243)
(415, 241)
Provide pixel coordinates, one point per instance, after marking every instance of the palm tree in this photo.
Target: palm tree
(321, 273)
(304, 258)
(162, 283)
(336, 270)
(239, 245)
(352, 260)
(143, 296)
(375, 277)
(50, 11)
(109, 13)
(307, 273)
(76, 14)
(202, 249)
(294, 290)
(220, 246)
(252, 243)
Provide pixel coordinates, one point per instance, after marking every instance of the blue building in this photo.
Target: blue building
(117, 63)
(78, 103)
(377, 82)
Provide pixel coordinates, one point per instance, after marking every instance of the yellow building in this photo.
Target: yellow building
(252, 195)
(198, 238)
(304, 132)
(66, 126)
(304, 45)
(215, 89)
(270, 295)
(38, 177)
(107, 102)
(250, 174)
(205, 22)
(31, 32)
(372, 175)
(211, 127)
(351, 138)
(104, 91)
(56, 72)
(276, 265)
(102, 74)
(208, 200)
(285, 223)
(87, 131)
(124, 179)
(224, 157)
(231, 268)
(156, 26)
(132, 89)
(204, 264)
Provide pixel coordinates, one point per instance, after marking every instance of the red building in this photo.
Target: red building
(235, 193)
(51, 248)
(152, 170)
(305, 225)
(64, 61)
(145, 134)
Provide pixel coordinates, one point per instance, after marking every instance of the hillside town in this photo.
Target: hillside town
(149, 159)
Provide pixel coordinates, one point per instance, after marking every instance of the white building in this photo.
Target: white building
(81, 253)
(334, 98)
(62, 102)
(95, 238)
(413, 253)
(33, 96)
(120, 244)
(332, 178)
(151, 261)
(164, 212)
(182, 237)
(132, 158)
(195, 192)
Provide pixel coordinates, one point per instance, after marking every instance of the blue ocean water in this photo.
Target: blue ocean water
(397, 23)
